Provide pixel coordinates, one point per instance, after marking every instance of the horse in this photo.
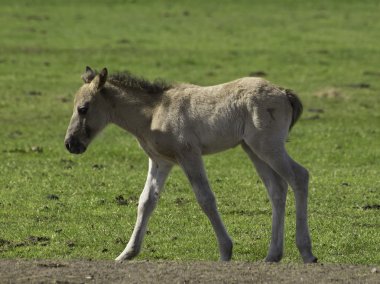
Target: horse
(175, 124)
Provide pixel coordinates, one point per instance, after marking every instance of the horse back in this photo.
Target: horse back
(215, 118)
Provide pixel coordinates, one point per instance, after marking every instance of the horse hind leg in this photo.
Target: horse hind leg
(272, 151)
(277, 189)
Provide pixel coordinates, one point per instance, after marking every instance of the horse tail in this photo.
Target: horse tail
(296, 104)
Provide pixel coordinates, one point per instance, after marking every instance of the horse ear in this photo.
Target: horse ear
(99, 80)
(88, 75)
(103, 77)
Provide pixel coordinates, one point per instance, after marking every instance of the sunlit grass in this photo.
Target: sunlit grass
(308, 47)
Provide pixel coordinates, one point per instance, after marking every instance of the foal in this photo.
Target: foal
(177, 124)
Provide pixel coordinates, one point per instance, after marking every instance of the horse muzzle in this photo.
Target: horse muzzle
(74, 146)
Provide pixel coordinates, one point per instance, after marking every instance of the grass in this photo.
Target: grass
(55, 205)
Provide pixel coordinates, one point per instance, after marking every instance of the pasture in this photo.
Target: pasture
(54, 205)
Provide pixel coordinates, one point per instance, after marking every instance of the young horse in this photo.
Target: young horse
(177, 124)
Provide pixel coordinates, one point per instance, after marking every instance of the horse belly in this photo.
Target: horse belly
(218, 146)
(217, 140)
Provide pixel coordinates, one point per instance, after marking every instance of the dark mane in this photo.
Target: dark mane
(126, 80)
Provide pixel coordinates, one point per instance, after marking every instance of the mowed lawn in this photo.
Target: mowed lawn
(59, 206)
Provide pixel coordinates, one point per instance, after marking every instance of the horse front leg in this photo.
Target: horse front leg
(157, 174)
(195, 172)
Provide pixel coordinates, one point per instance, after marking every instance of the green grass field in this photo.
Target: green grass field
(60, 206)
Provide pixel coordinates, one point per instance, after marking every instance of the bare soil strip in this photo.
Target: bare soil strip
(49, 271)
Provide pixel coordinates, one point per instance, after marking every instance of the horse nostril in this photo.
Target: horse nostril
(74, 146)
(67, 144)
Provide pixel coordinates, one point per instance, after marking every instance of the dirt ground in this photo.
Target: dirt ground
(48, 271)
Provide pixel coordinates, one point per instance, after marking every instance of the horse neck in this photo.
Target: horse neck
(132, 110)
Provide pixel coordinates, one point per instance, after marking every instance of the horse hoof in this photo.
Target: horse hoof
(273, 257)
(226, 253)
(312, 259)
(119, 260)
(126, 256)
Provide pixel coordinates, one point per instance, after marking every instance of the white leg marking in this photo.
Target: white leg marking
(157, 174)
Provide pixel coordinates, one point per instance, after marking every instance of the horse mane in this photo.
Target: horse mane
(125, 80)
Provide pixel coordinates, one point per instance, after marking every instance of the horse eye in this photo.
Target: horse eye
(82, 110)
